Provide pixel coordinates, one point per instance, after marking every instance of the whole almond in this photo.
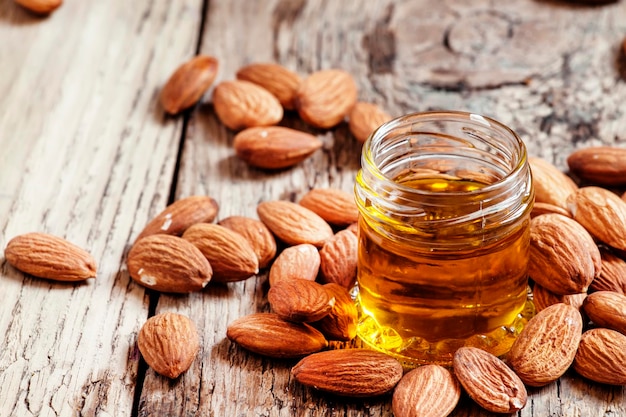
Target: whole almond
(229, 253)
(340, 322)
(325, 97)
(612, 275)
(546, 208)
(168, 264)
(335, 206)
(563, 257)
(607, 309)
(602, 213)
(169, 343)
(490, 383)
(278, 80)
(240, 104)
(354, 228)
(601, 356)
(430, 390)
(40, 6)
(269, 335)
(296, 262)
(551, 185)
(300, 300)
(349, 372)
(546, 346)
(293, 223)
(274, 147)
(339, 257)
(543, 298)
(47, 256)
(257, 235)
(188, 83)
(181, 214)
(365, 118)
(602, 165)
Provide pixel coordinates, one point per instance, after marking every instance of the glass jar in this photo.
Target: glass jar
(444, 201)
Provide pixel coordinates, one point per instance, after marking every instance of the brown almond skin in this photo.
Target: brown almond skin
(551, 185)
(430, 390)
(543, 298)
(188, 83)
(47, 256)
(601, 356)
(169, 343)
(294, 224)
(364, 118)
(296, 262)
(229, 253)
(339, 257)
(546, 346)
(349, 372)
(547, 208)
(602, 213)
(42, 7)
(601, 165)
(168, 264)
(240, 104)
(340, 323)
(274, 147)
(278, 80)
(490, 383)
(299, 300)
(181, 214)
(269, 335)
(613, 274)
(326, 97)
(335, 206)
(563, 256)
(607, 309)
(257, 234)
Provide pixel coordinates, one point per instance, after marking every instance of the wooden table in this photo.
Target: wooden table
(88, 154)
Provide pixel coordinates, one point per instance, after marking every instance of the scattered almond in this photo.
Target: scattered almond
(612, 275)
(340, 322)
(335, 206)
(607, 309)
(47, 256)
(188, 83)
(543, 298)
(546, 208)
(365, 118)
(602, 165)
(296, 262)
(551, 185)
(601, 356)
(257, 235)
(240, 104)
(275, 78)
(300, 300)
(40, 6)
(169, 343)
(339, 257)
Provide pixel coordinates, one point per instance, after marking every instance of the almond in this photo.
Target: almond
(294, 224)
(300, 300)
(274, 147)
(48, 256)
(169, 343)
(490, 383)
(544, 298)
(349, 372)
(40, 6)
(269, 335)
(365, 118)
(602, 165)
(612, 275)
(563, 257)
(339, 257)
(188, 83)
(276, 79)
(546, 208)
(607, 309)
(240, 104)
(354, 228)
(602, 213)
(601, 356)
(296, 262)
(340, 323)
(181, 214)
(546, 346)
(430, 390)
(257, 235)
(335, 206)
(229, 253)
(325, 97)
(169, 264)
(551, 185)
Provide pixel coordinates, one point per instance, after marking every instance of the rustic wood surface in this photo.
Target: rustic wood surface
(88, 154)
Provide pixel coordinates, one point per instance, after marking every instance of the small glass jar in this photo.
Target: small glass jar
(444, 201)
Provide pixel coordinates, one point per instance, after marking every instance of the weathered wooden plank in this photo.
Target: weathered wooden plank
(86, 154)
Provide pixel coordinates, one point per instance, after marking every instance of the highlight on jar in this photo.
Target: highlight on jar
(444, 201)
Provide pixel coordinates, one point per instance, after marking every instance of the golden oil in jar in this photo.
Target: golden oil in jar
(444, 202)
